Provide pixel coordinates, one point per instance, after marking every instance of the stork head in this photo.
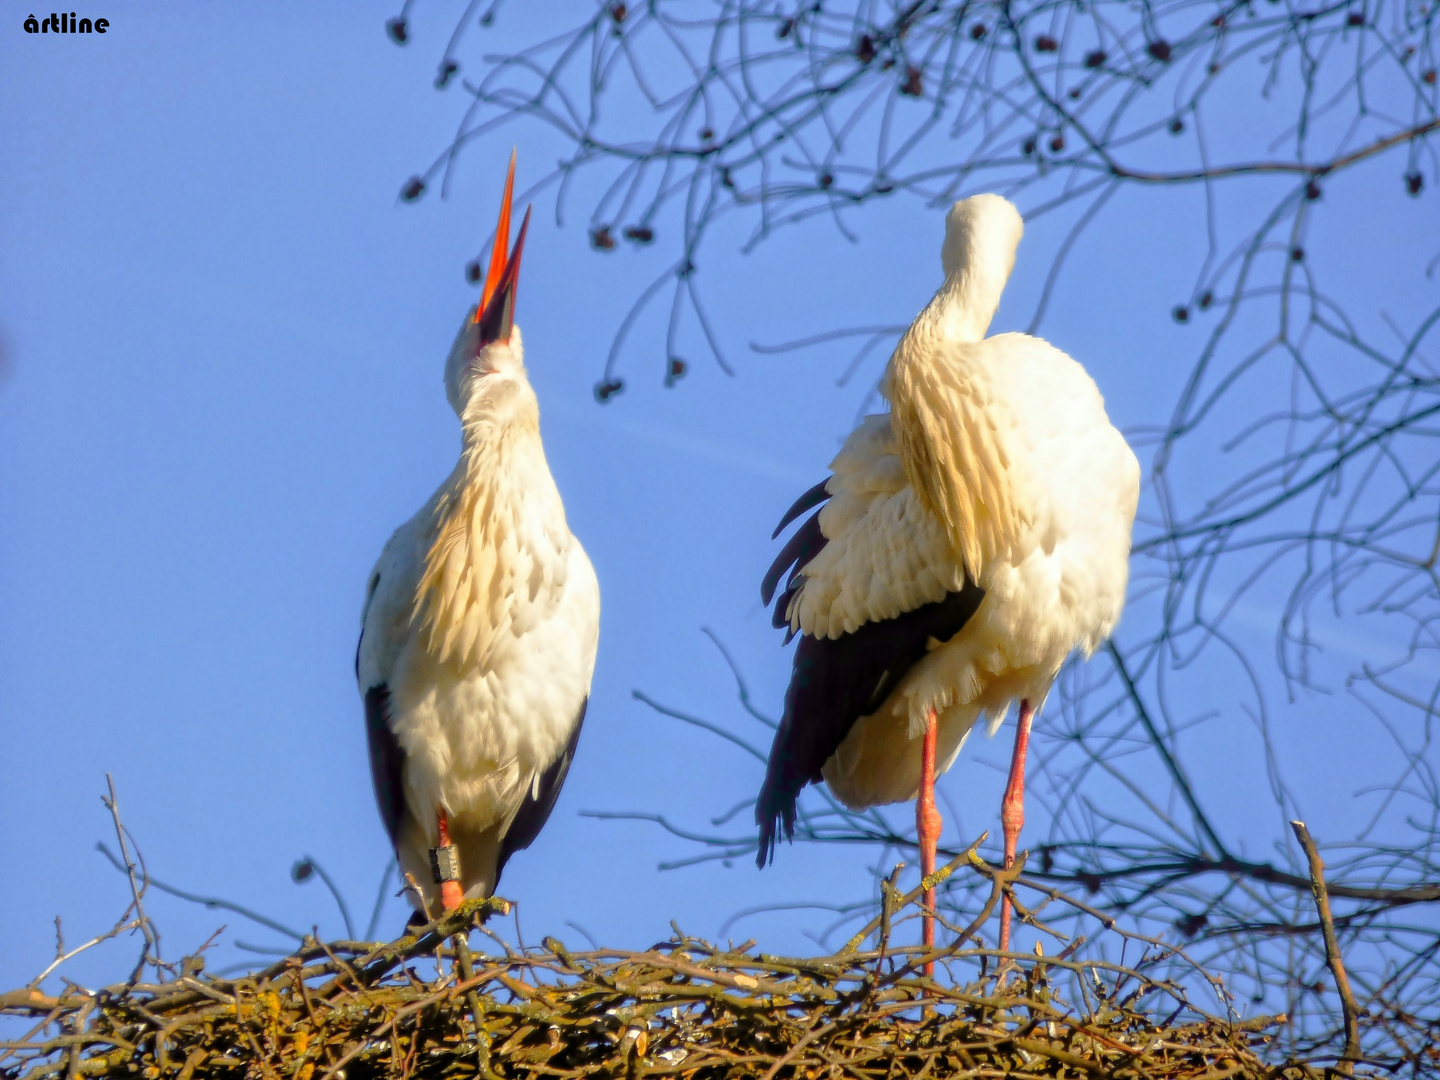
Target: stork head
(981, 235)
(486, 368)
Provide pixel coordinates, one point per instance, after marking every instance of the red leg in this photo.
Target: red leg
(450, 891)
(1012, 808)
(927, 827)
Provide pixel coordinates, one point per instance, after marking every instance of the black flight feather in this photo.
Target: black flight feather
(387, 760)
(799, 550)
(539, 800)
(833, 684)
(814, 497)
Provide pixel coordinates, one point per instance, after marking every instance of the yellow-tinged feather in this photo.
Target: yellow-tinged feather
(463, 597)
(952, 448)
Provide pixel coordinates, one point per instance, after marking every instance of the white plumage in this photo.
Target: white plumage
(995, 470)
(480, 627)
(1058, 587)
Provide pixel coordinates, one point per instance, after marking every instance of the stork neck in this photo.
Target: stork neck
(499, 413)
(484, 523)
(489, 448)
(964, 306)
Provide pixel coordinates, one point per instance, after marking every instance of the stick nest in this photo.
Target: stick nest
(424, 1006)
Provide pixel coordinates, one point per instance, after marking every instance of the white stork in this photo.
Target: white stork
(480, 624)
(974, 536)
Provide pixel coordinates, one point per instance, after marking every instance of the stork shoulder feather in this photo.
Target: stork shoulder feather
(883, 555)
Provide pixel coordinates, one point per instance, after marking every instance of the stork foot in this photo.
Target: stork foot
(450, 895)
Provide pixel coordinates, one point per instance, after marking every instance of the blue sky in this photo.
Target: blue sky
(223, 342)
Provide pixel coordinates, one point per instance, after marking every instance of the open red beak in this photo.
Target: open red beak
(495, 314)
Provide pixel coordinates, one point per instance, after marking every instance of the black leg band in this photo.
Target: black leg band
(445, 863)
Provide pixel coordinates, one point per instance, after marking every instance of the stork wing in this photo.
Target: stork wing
(872, 581)
(836, 681)
(539, 800)
(383, 620)
(387, 760)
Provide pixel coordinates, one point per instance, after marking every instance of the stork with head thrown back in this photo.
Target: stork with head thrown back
(480, 625)
(970, 540)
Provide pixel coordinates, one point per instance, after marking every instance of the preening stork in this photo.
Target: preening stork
(480, 625)
(970, 540)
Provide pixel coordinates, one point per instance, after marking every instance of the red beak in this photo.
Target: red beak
(495, 314)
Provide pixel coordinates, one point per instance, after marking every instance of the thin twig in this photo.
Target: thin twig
(1332, 950)
(151, 951)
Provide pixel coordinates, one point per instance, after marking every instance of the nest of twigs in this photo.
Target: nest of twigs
(426, 1006)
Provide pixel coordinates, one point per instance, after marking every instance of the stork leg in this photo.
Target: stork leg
(1012, 808)
(445, 862)
(927, 828)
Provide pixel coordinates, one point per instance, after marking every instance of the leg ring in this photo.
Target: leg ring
(445, 863)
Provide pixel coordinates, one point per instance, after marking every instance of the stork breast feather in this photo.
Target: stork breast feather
(463, 590)
(495, 568)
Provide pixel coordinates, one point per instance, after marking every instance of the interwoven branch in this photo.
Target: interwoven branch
(682, 1008)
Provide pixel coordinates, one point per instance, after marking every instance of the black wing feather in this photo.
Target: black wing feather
(813, 497)
(387, 760)
(801, 548)
(833, 684)
(798, 550)
(535, 810)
